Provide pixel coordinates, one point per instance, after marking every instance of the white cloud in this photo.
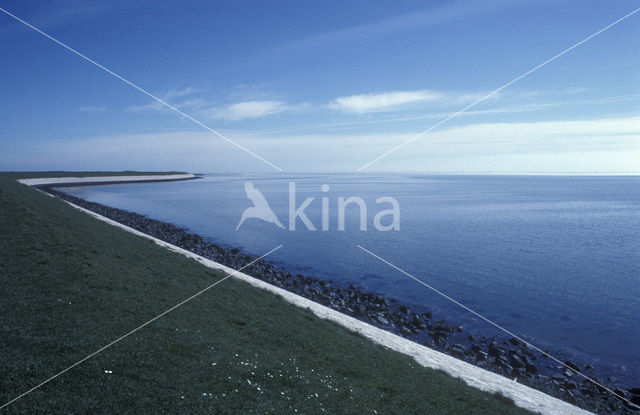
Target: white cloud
(604, 145)
(385, 101)
(173, 93)
(504, 138)
(170, 96)
(248, 109)
(184, 99)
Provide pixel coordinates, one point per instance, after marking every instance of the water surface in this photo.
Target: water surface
(556, 259)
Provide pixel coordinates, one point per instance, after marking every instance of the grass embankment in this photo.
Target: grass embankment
(29, 175)
(70, 284)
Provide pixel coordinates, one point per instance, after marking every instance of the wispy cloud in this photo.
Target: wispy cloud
(450, 12)
(170, 97)
(188, 99)
(399, 100)
(248, 109)
(172, 93)
(384, 101)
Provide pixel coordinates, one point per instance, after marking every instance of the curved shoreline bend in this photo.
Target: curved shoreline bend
(507, 357)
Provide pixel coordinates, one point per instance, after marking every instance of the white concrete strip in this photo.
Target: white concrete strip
(105, 179)
(523, 396)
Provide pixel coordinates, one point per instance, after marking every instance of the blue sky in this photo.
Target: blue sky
(321, 86)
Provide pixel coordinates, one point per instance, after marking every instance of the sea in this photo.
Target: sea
(555, 259)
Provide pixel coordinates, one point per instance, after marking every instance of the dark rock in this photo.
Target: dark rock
(495, 351)
(516, 361)
(531, 368)
(381, 300)
(620, 393)
(481, 356)
(572, 365)
(404, 309)
(507, 370)
(586, 391)
(514, 341)
(459, 350)
(429, 343)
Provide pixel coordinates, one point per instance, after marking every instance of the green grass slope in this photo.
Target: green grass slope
(70, 284)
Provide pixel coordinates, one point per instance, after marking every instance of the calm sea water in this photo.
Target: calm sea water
(556, 259)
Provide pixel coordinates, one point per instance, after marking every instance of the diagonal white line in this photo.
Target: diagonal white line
(141, 90)
(495, 324)
(490, 94)
(136, 329)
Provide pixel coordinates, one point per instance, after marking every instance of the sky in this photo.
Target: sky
(321, 86)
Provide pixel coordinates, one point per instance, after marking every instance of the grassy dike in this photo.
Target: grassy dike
(70, 284)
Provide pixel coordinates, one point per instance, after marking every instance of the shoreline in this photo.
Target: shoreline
(71, 181)
(76, 282)
(498, 354)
